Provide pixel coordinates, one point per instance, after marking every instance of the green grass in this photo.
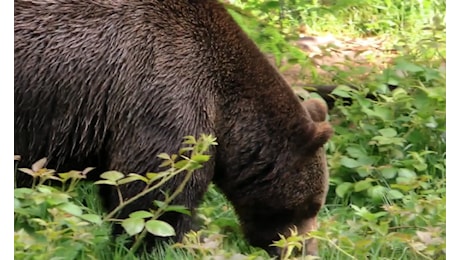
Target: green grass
(387, 197)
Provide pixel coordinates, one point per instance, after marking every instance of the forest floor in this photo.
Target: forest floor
(344, 53)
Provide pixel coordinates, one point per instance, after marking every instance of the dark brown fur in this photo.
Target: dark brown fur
(112, 83)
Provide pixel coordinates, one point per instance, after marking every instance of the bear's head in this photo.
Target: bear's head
(299, 195)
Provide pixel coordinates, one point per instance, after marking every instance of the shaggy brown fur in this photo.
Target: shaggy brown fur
(112, 83)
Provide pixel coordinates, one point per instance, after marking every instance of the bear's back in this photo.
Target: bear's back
(84, 71)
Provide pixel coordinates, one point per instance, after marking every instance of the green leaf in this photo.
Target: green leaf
(379, 112)
(420, 163)
(165, 163)
(107, 182)
(350, 163)
(388, 173)
(342, 91)
(71, 208)
(200, 158)
(57, 198)
(133, 177)
(365, 103)
(164, 156)
(402, 187)
(392, 81)
(141, 214)
(160, 204)
(22, 193)
(364, 171)
(402, 64)
(179, 209)
(183, 150)
(382, 140)
(363, 185)
(133, 226)
(194, 166)
(46, 189)
(421, 99)
(377, 215)
(366, 214)
(377, 192)
(180, 164)
(400, 93)
(359, 211)
(406, 173)
(17, 203)
(356, 152)
(270, 5)
(72, 175)
(395, 194)
(159, 228)
(343, 189)
(152, 176)
(112, 176)
(388, 132)
(93, 218)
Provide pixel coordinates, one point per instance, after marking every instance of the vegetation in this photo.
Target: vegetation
(387, 159)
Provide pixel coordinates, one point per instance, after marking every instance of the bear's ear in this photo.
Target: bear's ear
(317, 109)
(323, 132)
(322, 129)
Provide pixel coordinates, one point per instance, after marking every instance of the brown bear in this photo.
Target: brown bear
(111, 84)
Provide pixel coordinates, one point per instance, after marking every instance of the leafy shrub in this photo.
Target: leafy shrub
(50, 223)
(394, 145)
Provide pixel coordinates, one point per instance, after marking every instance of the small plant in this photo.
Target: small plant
(293, 245)
(139, 223)
(50, 223)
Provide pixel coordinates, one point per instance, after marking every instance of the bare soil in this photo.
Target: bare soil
(345, 54)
